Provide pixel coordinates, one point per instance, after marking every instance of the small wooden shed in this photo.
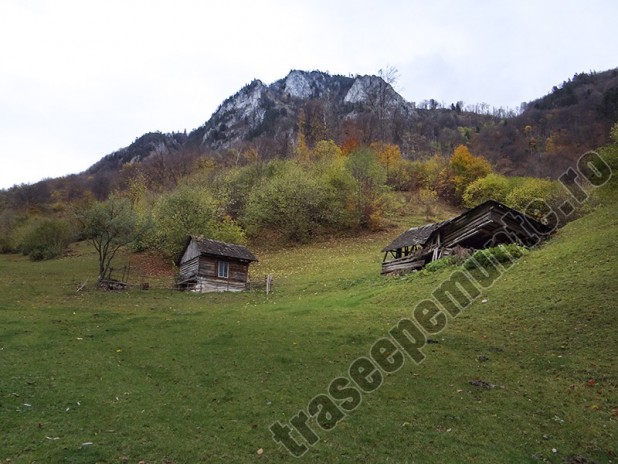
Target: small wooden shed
(488, 224)
(211, 266)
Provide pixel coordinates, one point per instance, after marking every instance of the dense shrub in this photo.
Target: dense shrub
(613, 133)
(45, 239)
(529, 195)
(178, 214)
(227, 230)
(6, 244)
(491, 187)
(8, 222)
(531, 189)
(232, 187)
(145, 225)
(296, 204)
(370, 197)
(189, 211)
(500, 253)
(609, 154)
(425, 173)
(440, 264)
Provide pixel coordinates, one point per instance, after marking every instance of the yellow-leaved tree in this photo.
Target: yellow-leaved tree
(326, 150)
(389, 155)
(463, 169)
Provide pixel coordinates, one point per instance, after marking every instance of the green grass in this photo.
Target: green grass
(163, 377)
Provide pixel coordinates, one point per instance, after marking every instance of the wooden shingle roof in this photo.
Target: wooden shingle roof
(413, 236)
(211, 247)
(420, 235)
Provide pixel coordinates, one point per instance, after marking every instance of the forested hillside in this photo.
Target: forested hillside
(314, 154)
(555, 130)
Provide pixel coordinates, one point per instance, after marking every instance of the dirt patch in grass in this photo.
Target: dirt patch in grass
(151, 265)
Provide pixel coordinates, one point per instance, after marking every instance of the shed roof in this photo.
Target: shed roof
(420, 235)
(211, 247)
(413, 236)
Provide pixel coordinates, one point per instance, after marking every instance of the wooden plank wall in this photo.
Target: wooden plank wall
(208, 267)
(208, 284)
(205, 269)
(403, 265)
(189, 268)
(238, 272)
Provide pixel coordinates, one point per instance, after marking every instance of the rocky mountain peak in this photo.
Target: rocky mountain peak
(246, 100)
(298, 85)
(368, 89)
(260, 111)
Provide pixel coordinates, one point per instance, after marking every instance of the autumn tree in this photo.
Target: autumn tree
(349, 145)
(323, 151)
(370, 177)
(425, 173)
(463, 169)
(389, 155)
(351, 136)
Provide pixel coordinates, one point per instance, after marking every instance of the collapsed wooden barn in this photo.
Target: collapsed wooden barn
(488, 224)
(211, 266)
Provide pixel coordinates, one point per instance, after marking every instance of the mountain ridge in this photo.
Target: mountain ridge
(257, 108)
(548, 135)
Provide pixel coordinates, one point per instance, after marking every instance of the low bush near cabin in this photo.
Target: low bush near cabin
(501, 254)
(440, 264)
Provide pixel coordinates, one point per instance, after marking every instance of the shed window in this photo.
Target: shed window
(223, 269)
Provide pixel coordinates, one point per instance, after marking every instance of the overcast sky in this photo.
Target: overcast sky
(80, 79)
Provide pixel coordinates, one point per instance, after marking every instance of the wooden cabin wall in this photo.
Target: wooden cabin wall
(189, 268)
(210, 284)
(238, 272)
(204, 270)
(207, 280)
(208, 267)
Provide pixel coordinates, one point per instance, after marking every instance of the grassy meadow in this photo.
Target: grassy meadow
(529, 375)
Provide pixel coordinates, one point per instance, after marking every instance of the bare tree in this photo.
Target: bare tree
(382, 102)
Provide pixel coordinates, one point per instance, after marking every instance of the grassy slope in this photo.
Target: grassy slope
(171, 377)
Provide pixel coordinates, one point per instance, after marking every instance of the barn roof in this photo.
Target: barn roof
(211, 247)
(420, 235)
(413, 236)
